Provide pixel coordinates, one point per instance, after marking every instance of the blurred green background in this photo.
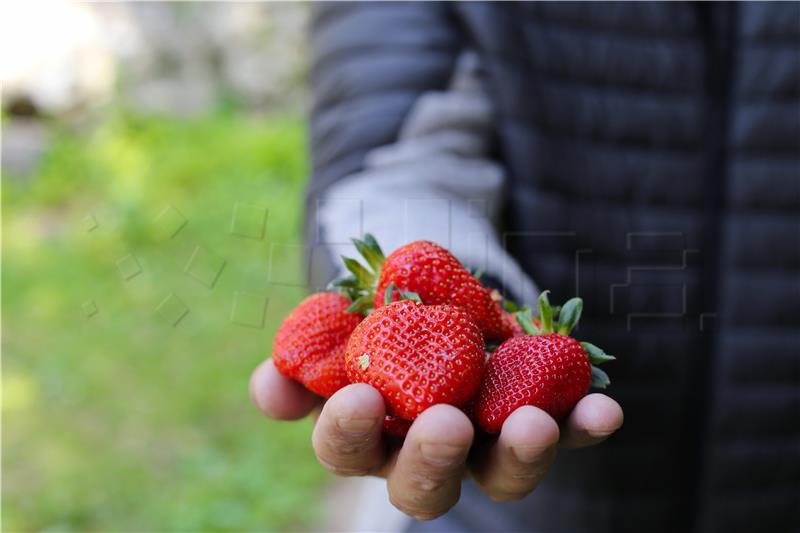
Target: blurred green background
(148, 257)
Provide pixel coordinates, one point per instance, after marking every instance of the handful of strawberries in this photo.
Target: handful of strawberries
(416, 326)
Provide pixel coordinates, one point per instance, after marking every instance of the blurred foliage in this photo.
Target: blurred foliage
(120, 421)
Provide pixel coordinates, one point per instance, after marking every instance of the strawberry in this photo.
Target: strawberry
(399, 427)
(432, 272)
(417, 355)
(393, 425)
(510, 322)
(309, 345)
(545, 368)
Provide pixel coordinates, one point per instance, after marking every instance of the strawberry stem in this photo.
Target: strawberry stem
(596, 355)
(360, 305)
(370, 251)
(545, 313)
(359, 271)
(372, 243)
(599, 378)
(359, 286)
(404, 295)
(525, 321)
(569, 315)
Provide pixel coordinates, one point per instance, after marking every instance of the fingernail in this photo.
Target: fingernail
(441, 454)
(356, 426)
(527, 454)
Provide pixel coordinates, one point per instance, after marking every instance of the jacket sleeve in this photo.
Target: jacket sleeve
(400, 136)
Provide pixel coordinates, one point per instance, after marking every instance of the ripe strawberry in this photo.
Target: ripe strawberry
(399, 427)
(510, 322)
(417, 356)
(309, 345)
(432, 272)
(393, 425)
(545, 368)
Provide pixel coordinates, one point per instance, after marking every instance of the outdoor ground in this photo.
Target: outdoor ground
(136, 269)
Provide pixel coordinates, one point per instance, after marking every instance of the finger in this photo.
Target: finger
(426, 479)
(347, 437)
(592, 420)
(278, 396)
(513, 465)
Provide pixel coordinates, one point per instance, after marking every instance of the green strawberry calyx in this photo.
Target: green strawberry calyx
(359, 285)
(404, 295)
(562, 320)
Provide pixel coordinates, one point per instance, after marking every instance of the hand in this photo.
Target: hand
(424, 472)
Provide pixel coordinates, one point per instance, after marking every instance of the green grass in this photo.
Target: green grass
(120, 420)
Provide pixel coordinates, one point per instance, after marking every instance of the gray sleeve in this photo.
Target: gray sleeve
(435, 182)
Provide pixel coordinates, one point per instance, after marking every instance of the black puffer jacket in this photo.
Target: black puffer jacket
(652, 153)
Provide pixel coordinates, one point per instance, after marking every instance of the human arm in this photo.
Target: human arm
(402, 146)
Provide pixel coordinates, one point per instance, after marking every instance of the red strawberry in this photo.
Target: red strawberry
(399, 427)
(417, 356)
(510, 321)
(393, 425)
(438, 278)
(432, 272)
(545, 368)
(309, 345)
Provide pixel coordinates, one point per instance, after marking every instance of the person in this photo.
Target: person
(644, 156)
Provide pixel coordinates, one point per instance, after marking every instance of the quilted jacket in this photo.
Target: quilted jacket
(645, 156)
